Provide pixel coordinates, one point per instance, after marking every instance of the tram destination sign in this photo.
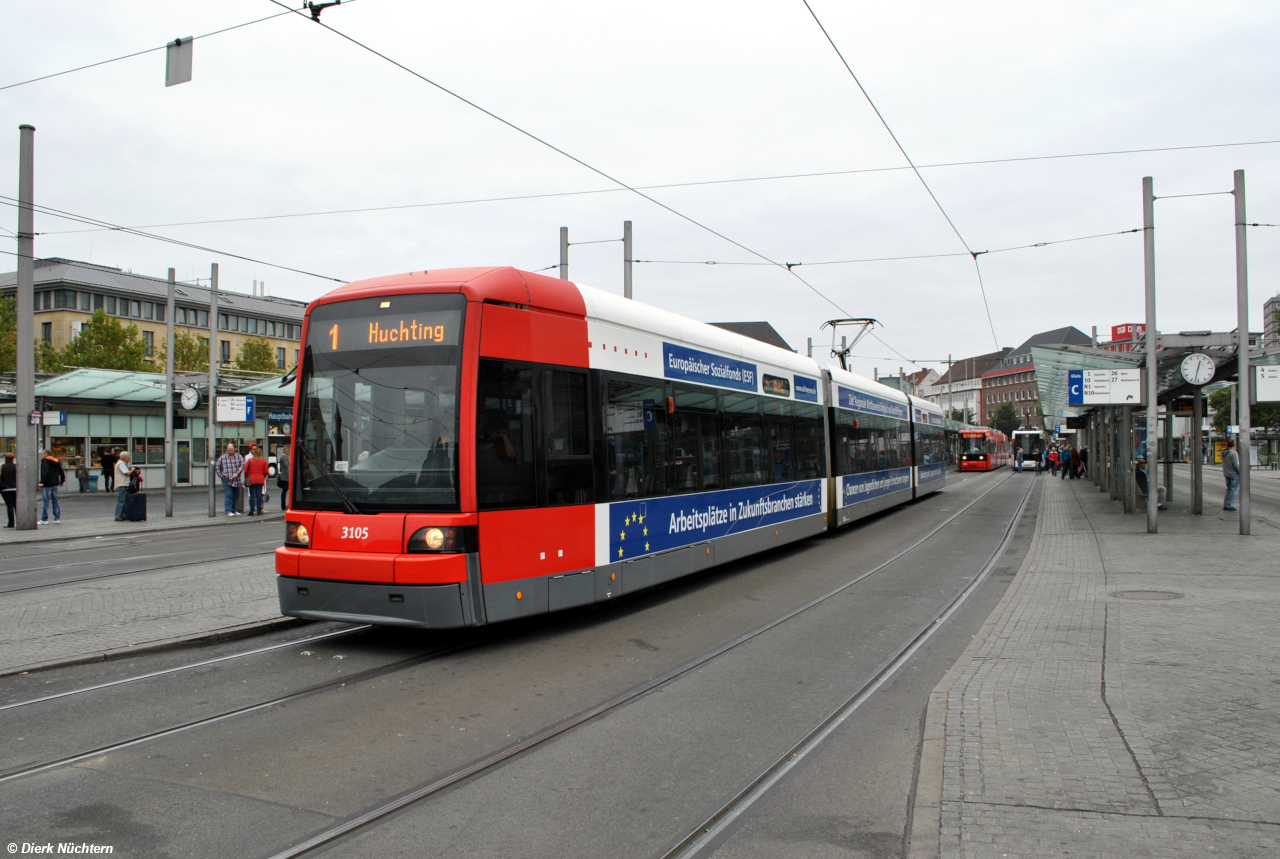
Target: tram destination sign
(1115, 387)
(389, 330)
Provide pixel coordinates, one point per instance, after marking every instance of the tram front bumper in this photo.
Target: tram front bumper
(413, 606)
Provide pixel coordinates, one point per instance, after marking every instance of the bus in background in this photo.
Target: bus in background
(984, 449)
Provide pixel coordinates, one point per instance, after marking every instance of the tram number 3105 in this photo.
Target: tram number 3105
(355, 533)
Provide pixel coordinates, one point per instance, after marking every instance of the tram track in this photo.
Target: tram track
(160, 565)
(465, 773)
(516, 750)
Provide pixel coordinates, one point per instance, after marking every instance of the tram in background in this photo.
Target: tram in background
(1031, 442)
(476, 445)
(984, 449)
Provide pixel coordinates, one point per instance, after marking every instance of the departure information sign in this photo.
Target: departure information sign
(388, 331)
(1104, 387)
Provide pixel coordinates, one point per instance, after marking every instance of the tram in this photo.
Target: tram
(477, 445)
(984, 449)
(1031, 442)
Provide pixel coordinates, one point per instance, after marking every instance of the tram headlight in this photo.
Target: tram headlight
(443, 539)
(297, 535)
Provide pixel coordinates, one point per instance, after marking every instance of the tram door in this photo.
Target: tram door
(184, 462)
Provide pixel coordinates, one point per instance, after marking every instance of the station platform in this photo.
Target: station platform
(1123, 698)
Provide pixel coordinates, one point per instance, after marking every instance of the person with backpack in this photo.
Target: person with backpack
(82, 475)
(1064, 461)
(51, 478)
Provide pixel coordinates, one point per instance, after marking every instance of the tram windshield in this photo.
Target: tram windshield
(976, 445)
(378, 415)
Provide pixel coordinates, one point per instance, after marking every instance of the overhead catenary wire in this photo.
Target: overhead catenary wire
(981, 285)
(57, 213)
(145, 51)
(571, 157)
(668, 185)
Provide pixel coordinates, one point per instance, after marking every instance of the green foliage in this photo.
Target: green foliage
(257, 355)
(106, 344)
(48, 359)
(1005, 418)
(1265, 416)
(962, 415)
(189, 356)
(8, 334)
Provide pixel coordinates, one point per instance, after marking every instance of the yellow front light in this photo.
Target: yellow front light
(302, 535)
(434, 538)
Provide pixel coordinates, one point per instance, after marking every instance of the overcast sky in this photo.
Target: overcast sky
(284, 117)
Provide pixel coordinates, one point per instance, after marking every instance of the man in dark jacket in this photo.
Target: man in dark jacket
(51, 477)
(108, 461)
(9, 488)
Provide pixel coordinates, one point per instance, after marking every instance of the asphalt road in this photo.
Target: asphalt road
(629, 783)
(29, 565)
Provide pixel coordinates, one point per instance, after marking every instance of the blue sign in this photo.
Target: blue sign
(691, 365)
(279, 416)
(929, 418)
(847, 398)
(1075, 387)
(873, 484)
(639, 528)
(806, 389)
(248, 408)
(934, 471)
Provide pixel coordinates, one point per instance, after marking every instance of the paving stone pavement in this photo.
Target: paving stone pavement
(71, 620)
(1092, 725)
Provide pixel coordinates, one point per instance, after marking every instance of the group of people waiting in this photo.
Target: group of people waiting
(1064, 460)
(235, 471)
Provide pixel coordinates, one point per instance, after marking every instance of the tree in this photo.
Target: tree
(8, 334)
(1005, 418)
(256, 355)
(190, 355)
(48, 359)
(962, 415)
(1265, 416)
(106, 344)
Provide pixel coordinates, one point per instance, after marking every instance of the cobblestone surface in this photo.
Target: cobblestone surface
(1092, 725)
(86, 617)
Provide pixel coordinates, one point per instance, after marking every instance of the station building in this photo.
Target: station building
(68, 292)
(1012, 379)
(961, 386)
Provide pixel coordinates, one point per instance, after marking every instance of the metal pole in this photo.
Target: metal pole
(1197, 452)
(1125, 472)
(170, 449)
(213, 390)
(28, 458)
(564, 253)
(1168, 453)
(626, 259)
(1153, 407)
(810, 347)
(1242, 351)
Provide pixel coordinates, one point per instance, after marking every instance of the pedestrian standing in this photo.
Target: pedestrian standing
(255, 470)
(82, 475)
(108, 461)
(9, 488)
(1017, 459)
(282, 478)
(230, 468)
(1231, 472)
(1053, 462)
(120, 474)
(51, 479)
(1040, 462)
(1064, 460)
(1084, 462)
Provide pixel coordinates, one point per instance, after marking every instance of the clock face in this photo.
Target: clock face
(1197, 368)
(190, 398)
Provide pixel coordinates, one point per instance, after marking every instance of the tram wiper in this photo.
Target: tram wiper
(347, 502)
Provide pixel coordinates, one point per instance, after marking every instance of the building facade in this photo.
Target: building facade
(1012, 379)
(961, 386)
(67, 293)
(1271, 320)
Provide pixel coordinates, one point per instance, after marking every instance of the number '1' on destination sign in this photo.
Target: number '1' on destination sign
(381, 332)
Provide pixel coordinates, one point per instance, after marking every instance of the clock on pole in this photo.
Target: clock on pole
(1197, 368)
(190, 398)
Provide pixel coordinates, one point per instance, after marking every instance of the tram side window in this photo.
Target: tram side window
(808, 439)
(635, 427)
(570, 468)
(694, 460)
(864, 442)
(780, 440)
(932, 446)
(744, 452)
(505, 435)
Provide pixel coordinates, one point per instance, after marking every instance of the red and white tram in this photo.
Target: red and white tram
(984, 449)
(475, 445)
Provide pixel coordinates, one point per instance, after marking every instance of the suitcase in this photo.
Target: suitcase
(135, 506)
